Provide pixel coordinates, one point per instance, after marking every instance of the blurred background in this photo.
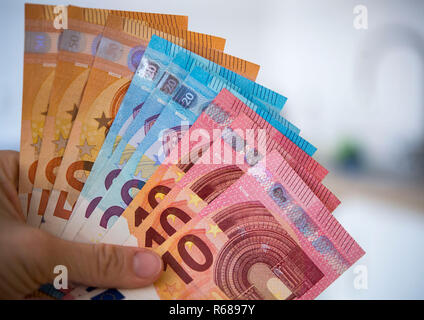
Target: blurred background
(356, 93)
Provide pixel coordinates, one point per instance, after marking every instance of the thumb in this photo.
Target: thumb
(105, 266)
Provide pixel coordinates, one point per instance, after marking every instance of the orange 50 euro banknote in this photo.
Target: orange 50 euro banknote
(41, 43)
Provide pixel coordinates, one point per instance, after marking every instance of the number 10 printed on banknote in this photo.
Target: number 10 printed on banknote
(263, 238)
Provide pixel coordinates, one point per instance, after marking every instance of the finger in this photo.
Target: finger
(106, 266)
(9, 172)
(10, 165)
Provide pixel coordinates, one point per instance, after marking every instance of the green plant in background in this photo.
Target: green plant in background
(349, 154)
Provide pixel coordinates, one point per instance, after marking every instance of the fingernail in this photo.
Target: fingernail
(146, 264)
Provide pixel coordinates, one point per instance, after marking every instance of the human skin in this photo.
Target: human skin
(28, 255)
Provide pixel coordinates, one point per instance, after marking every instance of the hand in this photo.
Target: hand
(28, 255)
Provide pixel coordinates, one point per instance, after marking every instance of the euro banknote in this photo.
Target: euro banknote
(41, 43)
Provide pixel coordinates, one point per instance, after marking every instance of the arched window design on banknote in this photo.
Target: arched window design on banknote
(211, 185)
(260, 260)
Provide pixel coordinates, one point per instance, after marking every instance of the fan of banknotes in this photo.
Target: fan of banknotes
(138, 132)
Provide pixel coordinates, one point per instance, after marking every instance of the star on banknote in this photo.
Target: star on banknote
(194, 199)
(60, 143)
(214, 229)
(73, 112)
(37, 145)
(179, 176)
(103, 121)
(45, 112)
(85, 148)
(160, 196)
(189, 245)
(171, 288)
